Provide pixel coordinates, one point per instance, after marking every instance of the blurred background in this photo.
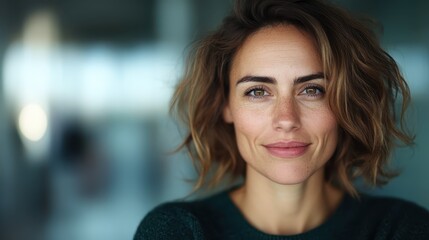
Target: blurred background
(84, 124)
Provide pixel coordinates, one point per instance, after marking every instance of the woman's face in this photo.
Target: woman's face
(284, 127)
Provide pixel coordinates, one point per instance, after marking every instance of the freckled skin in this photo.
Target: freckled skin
(286, 111)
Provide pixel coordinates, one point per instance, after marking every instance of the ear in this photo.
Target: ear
(227, 115)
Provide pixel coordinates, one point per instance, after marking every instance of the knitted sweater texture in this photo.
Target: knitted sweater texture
(217, 217)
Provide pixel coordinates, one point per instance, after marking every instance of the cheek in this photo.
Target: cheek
(325, 130)
(321, 124)
(321, 121)
(329, 123)
(249, 123)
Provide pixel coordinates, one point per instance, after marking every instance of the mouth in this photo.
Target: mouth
(290, 149)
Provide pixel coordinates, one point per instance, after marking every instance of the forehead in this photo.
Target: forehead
(275, 47)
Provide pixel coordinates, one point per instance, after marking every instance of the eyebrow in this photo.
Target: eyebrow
(271, 80)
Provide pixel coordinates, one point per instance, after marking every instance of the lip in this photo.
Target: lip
(290, 149)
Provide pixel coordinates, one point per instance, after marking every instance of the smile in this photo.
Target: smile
(287, 149)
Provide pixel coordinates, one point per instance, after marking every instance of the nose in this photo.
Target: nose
(286, 115)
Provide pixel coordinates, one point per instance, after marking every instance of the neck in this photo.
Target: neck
(286, 209)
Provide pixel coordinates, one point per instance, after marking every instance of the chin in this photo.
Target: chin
(289, 180)
(290, 176)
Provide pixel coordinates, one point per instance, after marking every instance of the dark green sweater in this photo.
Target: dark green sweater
(218, 218)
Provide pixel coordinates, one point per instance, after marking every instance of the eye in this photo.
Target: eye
(313, 91)
(257, 92)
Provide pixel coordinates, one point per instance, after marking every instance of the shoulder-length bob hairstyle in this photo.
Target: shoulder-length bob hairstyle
(364, 85)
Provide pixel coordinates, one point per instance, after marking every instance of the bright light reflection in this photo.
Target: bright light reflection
(33, 122)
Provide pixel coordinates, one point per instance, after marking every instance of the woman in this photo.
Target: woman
(297, 98)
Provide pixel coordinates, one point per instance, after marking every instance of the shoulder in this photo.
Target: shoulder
(394, 206)
(395, 218)
(178, 220)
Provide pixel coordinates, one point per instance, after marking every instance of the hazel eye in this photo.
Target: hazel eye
(257, 92)
(313, 91)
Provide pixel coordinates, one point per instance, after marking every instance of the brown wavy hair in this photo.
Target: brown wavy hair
(364, 85)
